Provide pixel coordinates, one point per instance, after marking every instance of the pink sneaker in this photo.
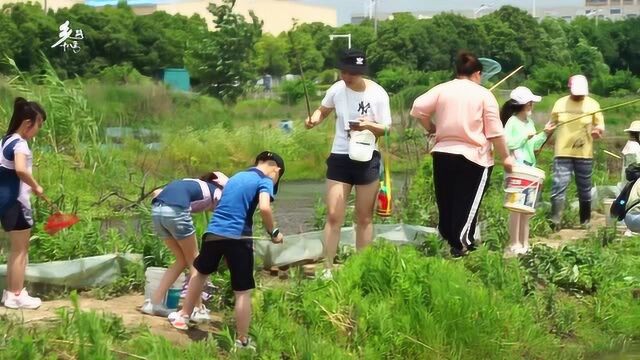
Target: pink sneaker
(21, 301)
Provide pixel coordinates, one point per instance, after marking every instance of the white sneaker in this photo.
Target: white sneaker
(326, 274)
(179, 321)
(200, 314)
(522, 250)
(245, 346)
(22, 301)
(154, 309)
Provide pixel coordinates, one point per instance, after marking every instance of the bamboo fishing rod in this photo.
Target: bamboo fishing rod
(505, 78)
(612, 107)
(584, 115)
(297, 55)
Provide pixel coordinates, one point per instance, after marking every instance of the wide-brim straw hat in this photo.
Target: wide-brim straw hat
(635, 127)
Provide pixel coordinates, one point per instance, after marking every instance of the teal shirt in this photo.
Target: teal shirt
(517, 133)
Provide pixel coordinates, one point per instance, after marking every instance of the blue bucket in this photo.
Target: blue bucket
(173, 298)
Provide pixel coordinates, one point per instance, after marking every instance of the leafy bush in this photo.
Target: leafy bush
(396, 79)
(292, 91)
(122, 74)
(550, 78)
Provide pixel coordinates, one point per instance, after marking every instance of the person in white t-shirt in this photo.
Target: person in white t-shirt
(361, 106)
(16, 185)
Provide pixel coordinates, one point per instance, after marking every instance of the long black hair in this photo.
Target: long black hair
(510, 108)
(24, 110)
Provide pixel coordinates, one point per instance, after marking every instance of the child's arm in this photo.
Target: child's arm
(22, 170)
(538, 140)
(264, 204)
(155, 193)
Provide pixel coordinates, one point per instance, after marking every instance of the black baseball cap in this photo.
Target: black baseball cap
(269, 155)
(354, 61)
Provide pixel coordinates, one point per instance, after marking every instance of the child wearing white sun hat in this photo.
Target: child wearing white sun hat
(522, 141)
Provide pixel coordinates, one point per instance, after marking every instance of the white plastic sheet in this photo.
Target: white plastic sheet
(87, 272)
(309, 246)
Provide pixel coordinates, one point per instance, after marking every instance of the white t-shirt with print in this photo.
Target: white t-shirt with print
(372, 103)
(15, 144)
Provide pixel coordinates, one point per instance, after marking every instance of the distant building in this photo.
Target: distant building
(604, 9)
(276, 14)
(613, 9)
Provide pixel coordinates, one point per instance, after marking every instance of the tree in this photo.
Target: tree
(554, 30)
(447, 34)
(551, 78)
(319, 33)
(163, 38)
(527, 34)
(590, 60)
(271, 55)
(310, 57)
(35, 29)
(221, 60)
(502, 43)
(400, 43)
(9, 38)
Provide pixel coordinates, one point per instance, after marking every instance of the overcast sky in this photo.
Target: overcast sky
(348, 7)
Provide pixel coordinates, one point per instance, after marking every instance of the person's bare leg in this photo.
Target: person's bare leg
(365, 205)
(524, 230)
(196, 284)
(17, 262)
(514, 230)
(243, 314)
(189, 249)
(171, 275)
(336, 200)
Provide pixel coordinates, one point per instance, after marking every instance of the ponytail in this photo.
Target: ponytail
(24, 110)
(509, 108)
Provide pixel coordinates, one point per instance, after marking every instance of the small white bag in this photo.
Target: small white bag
(361, 145)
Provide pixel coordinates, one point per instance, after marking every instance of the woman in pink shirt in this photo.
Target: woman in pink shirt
(466, 126)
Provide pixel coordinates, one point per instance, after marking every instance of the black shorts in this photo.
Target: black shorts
(342, 169)
(16, 218)
(239, 256)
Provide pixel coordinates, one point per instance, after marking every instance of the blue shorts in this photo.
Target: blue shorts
(172, 222)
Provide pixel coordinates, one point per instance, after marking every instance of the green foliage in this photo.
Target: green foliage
(394, 80)
(220, 60)
(121, 74)
(270, 55)
(292, 91)
(551, 78)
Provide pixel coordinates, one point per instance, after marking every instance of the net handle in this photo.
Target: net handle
(50, 203)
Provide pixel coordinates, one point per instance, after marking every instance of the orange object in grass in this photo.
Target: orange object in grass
(59, 221)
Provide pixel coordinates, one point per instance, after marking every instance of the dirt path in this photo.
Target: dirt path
(567, 236)
(126, 307)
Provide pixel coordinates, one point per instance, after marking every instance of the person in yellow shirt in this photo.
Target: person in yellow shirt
(574, 148)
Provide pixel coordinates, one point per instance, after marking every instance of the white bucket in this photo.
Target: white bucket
(153, 276)
(361, 145)
(522, 187)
